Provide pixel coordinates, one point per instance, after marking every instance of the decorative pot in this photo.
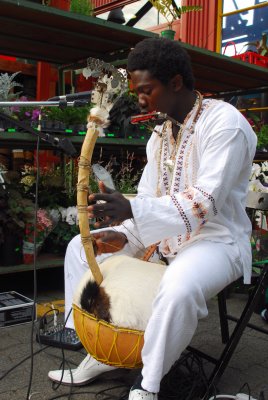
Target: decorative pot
(168, 34)
(28, 251)
(61, 4)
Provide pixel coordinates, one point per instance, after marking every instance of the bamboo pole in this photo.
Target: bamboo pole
(84, 172)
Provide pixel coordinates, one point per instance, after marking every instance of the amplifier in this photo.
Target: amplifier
(15, 309)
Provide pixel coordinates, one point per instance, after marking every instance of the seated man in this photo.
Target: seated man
(191, 200)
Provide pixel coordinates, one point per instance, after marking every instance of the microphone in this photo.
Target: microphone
(73, 97)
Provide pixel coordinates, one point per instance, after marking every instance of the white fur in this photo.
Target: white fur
(132, 285)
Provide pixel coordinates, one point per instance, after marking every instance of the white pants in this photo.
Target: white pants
(196, 274)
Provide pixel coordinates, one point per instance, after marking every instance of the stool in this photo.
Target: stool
(255, 201)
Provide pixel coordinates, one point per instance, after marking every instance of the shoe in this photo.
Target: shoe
(264, 314)
(138, 393)
(89, 370)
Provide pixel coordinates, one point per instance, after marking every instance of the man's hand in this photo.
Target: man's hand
(114, 207)
(108, 242)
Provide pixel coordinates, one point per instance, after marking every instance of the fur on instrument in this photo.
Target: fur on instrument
(125, 296)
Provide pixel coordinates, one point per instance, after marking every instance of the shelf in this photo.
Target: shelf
(26, 140)
(44, 261)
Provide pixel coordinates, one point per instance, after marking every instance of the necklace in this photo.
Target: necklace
(169, 163)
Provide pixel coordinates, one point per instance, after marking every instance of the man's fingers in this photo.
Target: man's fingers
(100, 196)
(105, 189)
(108, 221)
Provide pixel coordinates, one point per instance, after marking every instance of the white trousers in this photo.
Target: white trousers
(196, 274)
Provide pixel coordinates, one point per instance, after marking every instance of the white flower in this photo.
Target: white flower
(257, 186)
(63, 212)
(264, 166)
(71, 217)
(255, 172)
(54, 215)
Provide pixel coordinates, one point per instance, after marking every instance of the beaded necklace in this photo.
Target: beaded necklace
(169, 165)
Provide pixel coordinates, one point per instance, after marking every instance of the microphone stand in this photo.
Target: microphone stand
(63, 144)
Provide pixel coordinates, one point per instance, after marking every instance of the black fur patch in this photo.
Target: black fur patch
(95, 301)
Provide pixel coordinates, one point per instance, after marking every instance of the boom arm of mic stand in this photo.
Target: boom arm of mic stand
(64, 144)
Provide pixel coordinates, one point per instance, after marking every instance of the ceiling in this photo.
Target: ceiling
(35, 32)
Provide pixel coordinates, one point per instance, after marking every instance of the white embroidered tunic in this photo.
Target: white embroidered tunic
(204, 197)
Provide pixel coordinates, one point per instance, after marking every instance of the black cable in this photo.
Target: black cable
(245, 385)
(186, 379)
(55, 385)
(34, 266)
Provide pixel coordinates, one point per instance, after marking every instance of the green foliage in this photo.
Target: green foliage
(81, 7)
(60, 236)
(54, 190)
(170, 11)
(68, 115)
(261, 45)
(126, 180)
(7, 84)
(15, 209)
(262, 136)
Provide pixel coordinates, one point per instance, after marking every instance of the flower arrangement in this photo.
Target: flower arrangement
(65, 229)
(56, 186)
(25, 113)
(258, 181)
(44, 225)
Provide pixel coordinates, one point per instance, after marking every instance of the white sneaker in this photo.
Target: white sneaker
(140, 394)
(89, 370)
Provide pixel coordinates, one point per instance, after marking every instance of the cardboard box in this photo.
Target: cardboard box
(15, 309)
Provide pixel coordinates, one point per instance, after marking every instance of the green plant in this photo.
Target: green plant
(261, 45)
(54, 188)
(127, 179)
(60, 236)
(81, 7)
(262, 136)
(170, 11)
(68, 115)
(7, 85)
(15, 209)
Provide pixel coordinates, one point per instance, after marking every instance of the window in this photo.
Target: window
(243, 22)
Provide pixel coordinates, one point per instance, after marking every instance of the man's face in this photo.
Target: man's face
(152, 94)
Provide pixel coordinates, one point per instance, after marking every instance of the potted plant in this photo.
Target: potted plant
(60, 119)
(83, 7)
(7, 86)
(171, 12)
(15, 212)
(65, 229)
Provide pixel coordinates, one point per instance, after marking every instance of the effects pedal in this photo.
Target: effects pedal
(61, 337)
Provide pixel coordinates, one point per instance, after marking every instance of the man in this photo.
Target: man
(191, 200)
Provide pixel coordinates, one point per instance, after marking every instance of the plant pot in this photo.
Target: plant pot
(28, 251)
(168, 34)
(61, 4)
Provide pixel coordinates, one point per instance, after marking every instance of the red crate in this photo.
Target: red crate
(253, 58)
(249, 56)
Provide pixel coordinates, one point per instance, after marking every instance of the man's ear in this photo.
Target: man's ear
(176, 83)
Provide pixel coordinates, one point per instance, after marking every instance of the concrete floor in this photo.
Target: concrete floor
(249, 364)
